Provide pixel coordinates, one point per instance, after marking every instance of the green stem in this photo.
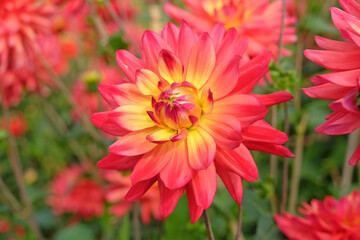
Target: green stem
(208, 225)
(299, 147)
(18, 173)
(239, 232)
(347, 173)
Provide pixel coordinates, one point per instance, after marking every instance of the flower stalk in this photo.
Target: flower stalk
(208, 225)
(15, 163)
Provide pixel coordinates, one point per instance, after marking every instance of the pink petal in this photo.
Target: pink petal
(273, 98)
(139, 189)
(147, 82)
(170, 34)
(170, 67)
(355, 157)
(340, 123)
(332, 45)
(186, 43)
(128, 63)
(243, 106)
(261, 131)
(194, 210)
(328, 91)
(332, 60)
(122, 94)
(201, 62)
(132, 144)
(222, 79)
(204, 186)
(238, 161)
(232, 182)
(201, 148)
(168, 199)
(351, 7)
(152, 163)
(269, 148)
(116, 162)
(102, 121)
(177, 173)
(152, 45)
(131, 117)
(179, 15)
(225, 129)
(251, 72)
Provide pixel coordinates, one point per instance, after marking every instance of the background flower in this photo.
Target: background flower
(343, 83)
(329, 219)
(258, 22)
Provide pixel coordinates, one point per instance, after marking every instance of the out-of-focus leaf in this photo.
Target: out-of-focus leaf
(77, 232)
(46, 219)
(266, 228)
(179, 227)
(317, 24)
(124, 232)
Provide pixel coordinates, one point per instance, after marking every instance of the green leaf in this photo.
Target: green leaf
(124, 232)
(316, 24)
(266, 228)
(77, 232)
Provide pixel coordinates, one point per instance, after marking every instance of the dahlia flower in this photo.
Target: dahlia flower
(17, 125)
(330, 219)
(21, 23)
(188, 114)
(33, 77)
(258, 21)
(72, 192)
(117, 189)
(342, 84)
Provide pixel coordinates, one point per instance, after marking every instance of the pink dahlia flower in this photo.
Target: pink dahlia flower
(342, 85)
(116, 192)
(187, 114)
(330, 219)
(259, 21)
(17, 125)
(72, 192)
(21, 23)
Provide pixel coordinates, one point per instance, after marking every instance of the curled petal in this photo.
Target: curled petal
(161, 135)
(170, 67)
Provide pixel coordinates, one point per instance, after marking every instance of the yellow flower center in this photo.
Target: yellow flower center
(180, 105)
